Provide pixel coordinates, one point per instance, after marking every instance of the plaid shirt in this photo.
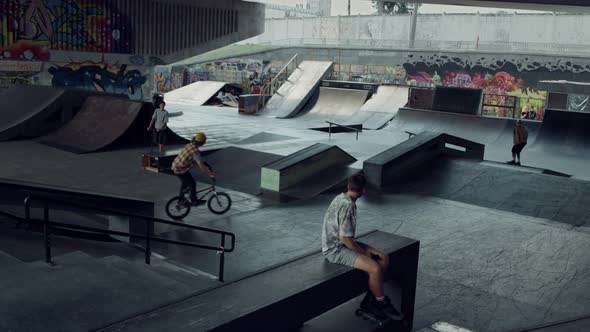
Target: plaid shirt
(184, 161)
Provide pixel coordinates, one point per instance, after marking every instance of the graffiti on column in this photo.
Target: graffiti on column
(30, 29)
(114, 79)
(162, 79)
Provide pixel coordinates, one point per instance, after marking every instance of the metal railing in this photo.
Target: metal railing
(148, 236)
(282, 76)
(341, 126)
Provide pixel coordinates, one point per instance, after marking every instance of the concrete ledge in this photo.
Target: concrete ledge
(14, 192)
(289, 294)
(395, 163)
(301, 165)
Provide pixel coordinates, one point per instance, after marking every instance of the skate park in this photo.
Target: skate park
(476, 243)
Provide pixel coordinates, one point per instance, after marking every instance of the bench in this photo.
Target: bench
(284, 297)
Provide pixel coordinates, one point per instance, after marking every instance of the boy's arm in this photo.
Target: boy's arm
(351, 244)
(151, 124)
(205, 169)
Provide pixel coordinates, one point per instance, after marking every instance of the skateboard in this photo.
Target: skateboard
(367, 315)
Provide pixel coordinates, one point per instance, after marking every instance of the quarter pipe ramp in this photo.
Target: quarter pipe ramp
(335, 105)
(381, 107)
(196, 94)
(26, 110)
(100, 122)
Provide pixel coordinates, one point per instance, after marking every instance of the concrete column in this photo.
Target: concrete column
(413, 24)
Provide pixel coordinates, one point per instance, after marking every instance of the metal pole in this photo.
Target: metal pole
(46, 233)
(330, 131)
(348, 7)
(222, 258)
(148, 241)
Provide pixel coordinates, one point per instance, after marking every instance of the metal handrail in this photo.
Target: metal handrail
(148, 237)
(273, 81)
(343, 126)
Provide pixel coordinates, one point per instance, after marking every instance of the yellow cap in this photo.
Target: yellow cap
(200, 138)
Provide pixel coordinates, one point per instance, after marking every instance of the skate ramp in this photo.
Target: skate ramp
(564, 133)
(381, 107)
(502, 187)
(100, 122)
(25, 109)
(494, 133)
(196, 94)
(292, 96)
(335, 105)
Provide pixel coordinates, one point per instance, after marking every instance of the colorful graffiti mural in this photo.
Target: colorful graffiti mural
(30, 29)
(114, 79)
(13, 73)
(162, 80)
(251, 75)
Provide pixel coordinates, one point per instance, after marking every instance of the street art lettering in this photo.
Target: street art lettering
(112, 79)
(32, 28)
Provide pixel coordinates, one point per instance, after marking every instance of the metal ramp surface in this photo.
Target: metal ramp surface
(195, 94)
(381, 107)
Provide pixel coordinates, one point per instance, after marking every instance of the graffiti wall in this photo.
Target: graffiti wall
(14, 73)
(497, 78)
(131, 81)
(31, 29)
(113, 79)
(249, 74)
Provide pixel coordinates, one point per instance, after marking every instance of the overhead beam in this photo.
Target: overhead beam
(575, 6)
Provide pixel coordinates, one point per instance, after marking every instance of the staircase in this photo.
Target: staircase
(83, 291)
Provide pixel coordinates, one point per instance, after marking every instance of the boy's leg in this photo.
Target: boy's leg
(192, 185)
(513, 154)
(163, 138)
(375, 272)
(182, 184)
(382, 260)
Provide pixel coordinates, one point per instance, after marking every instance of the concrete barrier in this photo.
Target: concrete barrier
(397, 162)
(301, 165)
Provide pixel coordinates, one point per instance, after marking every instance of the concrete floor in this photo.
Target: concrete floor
(481, 268)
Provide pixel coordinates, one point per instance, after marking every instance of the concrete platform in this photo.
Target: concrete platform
(482, 266)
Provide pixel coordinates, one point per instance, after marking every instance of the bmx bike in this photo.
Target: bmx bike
(180, 206)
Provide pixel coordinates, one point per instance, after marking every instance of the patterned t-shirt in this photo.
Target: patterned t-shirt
(340, 220)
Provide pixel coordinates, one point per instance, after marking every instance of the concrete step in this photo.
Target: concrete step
(86, 293)
(176, 282)
(7, 260)
(66, 260)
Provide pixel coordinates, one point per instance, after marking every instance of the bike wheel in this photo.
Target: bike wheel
(219, 203)
(178, 208)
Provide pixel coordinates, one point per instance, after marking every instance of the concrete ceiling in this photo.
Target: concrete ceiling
(575, 6)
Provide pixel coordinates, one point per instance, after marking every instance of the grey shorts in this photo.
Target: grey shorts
(342, 255)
